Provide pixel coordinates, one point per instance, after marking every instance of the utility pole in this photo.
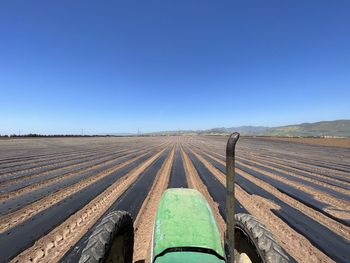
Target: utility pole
(82, 132)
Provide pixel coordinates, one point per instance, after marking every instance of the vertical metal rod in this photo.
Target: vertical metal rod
(230, 194)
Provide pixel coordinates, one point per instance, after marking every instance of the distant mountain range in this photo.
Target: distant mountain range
(337, 128)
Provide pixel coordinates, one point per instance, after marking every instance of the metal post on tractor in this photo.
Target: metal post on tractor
(230, 195)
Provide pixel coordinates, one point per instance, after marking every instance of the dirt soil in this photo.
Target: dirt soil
(261, 208)
(54, 245)
(144, 222)
(335, 142)
(269, 171)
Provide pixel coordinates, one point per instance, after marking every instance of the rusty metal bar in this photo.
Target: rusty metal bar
(230, 195)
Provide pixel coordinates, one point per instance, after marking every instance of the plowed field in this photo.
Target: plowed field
(53, 192)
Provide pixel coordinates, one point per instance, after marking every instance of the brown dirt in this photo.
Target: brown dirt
(256, 159)
(311, 169)
(47, 182)
(98, 155)
(337, 204)
(144, 222)
(336, 142)
(10, 220)
(295, 244)
(32, 169)
(338, 207)
(51, 247)
(335, 226)
(195, 182)
(54, 245)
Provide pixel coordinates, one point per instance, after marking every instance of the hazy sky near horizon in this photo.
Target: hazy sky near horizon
(116, 66)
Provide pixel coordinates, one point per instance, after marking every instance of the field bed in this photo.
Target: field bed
(53, 192)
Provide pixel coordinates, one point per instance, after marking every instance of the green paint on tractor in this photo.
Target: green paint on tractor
(188, 257)
(185, 229)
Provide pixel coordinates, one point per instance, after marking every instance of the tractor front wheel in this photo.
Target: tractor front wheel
(253, 239)
(112, 240)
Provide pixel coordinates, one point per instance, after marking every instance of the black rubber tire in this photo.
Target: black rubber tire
(111, 241)
(253, 239)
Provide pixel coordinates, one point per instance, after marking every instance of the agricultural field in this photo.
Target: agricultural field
(54, 191)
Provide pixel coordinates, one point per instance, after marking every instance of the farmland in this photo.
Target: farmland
(53, 191)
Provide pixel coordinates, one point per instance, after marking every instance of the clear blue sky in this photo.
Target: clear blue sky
(116, 66)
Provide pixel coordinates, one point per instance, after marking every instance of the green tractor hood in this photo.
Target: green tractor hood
(185, 229)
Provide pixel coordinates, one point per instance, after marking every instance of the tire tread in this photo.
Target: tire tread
(100, 241)
(265, 244)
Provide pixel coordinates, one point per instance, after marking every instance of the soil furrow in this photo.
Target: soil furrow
(64, 177)
(216, 189)
(11, 205)
(337, 209)
(51, 247)
(311, 168)
(195, 182)
(317, 177)
(304, 170)
(57, 190)
(178, 175)
(317, 235)
(33, 167)
(261, 208)
(18, 185)
(145, 218)
(51, 158)
(316, 184)
(26, 174)
(131, 200)
(335, 226)
(8, 162)
(333, 207)
(10, 220)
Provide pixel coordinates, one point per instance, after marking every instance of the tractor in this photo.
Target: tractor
(185, 231)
